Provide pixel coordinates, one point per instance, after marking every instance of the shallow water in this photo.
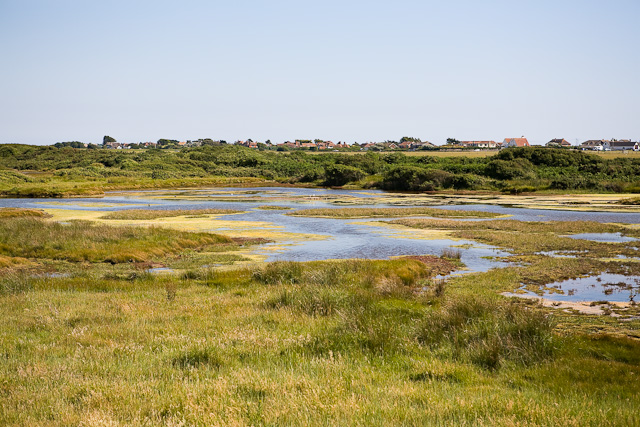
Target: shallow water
(603, 237)
(344, 238)
(603, 287)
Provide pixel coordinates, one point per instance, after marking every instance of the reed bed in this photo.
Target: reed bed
(148, 214)
(391, 212)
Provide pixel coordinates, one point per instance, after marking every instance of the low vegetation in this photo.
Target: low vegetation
(391, 212)
(79, 241)
(530, 237)
(147, 214)
(37, 171)
(333, 342)
(20, 213)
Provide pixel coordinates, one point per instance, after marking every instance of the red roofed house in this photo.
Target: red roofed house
(515, 142)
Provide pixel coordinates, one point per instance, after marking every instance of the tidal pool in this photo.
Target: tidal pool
(602, 287)
(603, 237)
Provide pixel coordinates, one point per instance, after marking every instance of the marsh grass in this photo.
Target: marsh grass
(148, 214)
(489, 334)
(452, 253)
(390, 212)
(83, 241)
(21, 212)
(524, 237)
(274, 208)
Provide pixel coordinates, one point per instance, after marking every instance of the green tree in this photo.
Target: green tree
(107, 139)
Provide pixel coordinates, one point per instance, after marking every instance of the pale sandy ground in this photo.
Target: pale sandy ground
(584, 307)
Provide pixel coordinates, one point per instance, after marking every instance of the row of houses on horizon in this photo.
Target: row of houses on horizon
(410, 144)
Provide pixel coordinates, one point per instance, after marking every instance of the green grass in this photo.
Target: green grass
(146, 214)
(300, 344)
(529, 237)
(354, 342)
(274, 208)
(20, 212)
(82, 241)
(390, 212)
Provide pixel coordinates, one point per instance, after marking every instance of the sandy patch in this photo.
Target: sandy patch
(584, 307)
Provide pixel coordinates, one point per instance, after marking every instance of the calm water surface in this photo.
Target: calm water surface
(345, 238)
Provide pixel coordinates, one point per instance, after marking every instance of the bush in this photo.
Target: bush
(341, 175)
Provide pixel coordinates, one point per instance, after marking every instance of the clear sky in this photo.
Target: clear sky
(338, 70)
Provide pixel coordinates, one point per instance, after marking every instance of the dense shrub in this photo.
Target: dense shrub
(341, 174)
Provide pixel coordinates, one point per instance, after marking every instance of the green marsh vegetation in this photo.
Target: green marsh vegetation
(146, 214)
(529, 238)
(391, 212)
(87, 338)
(36, 171)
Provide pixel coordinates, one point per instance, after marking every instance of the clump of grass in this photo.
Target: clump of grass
(451, 253)
(198, 357)
(147, 214)
(313, 302)
(21, 212)
(630, 201)
(172, 290)
(489, 334)
(391, 212)
(15, 283)
(274, 208)
(279, 272)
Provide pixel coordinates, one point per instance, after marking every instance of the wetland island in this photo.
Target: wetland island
(225, 285)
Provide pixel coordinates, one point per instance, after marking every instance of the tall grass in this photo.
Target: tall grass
(489, 334)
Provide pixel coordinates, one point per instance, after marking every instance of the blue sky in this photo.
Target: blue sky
(339, 70)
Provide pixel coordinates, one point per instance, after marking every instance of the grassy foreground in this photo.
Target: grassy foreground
(355, 342)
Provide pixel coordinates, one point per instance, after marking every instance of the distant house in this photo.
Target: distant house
(593, 144)
(515, 142)
(619, 145)
(248, 143)
(478, 144)
(558, 142)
